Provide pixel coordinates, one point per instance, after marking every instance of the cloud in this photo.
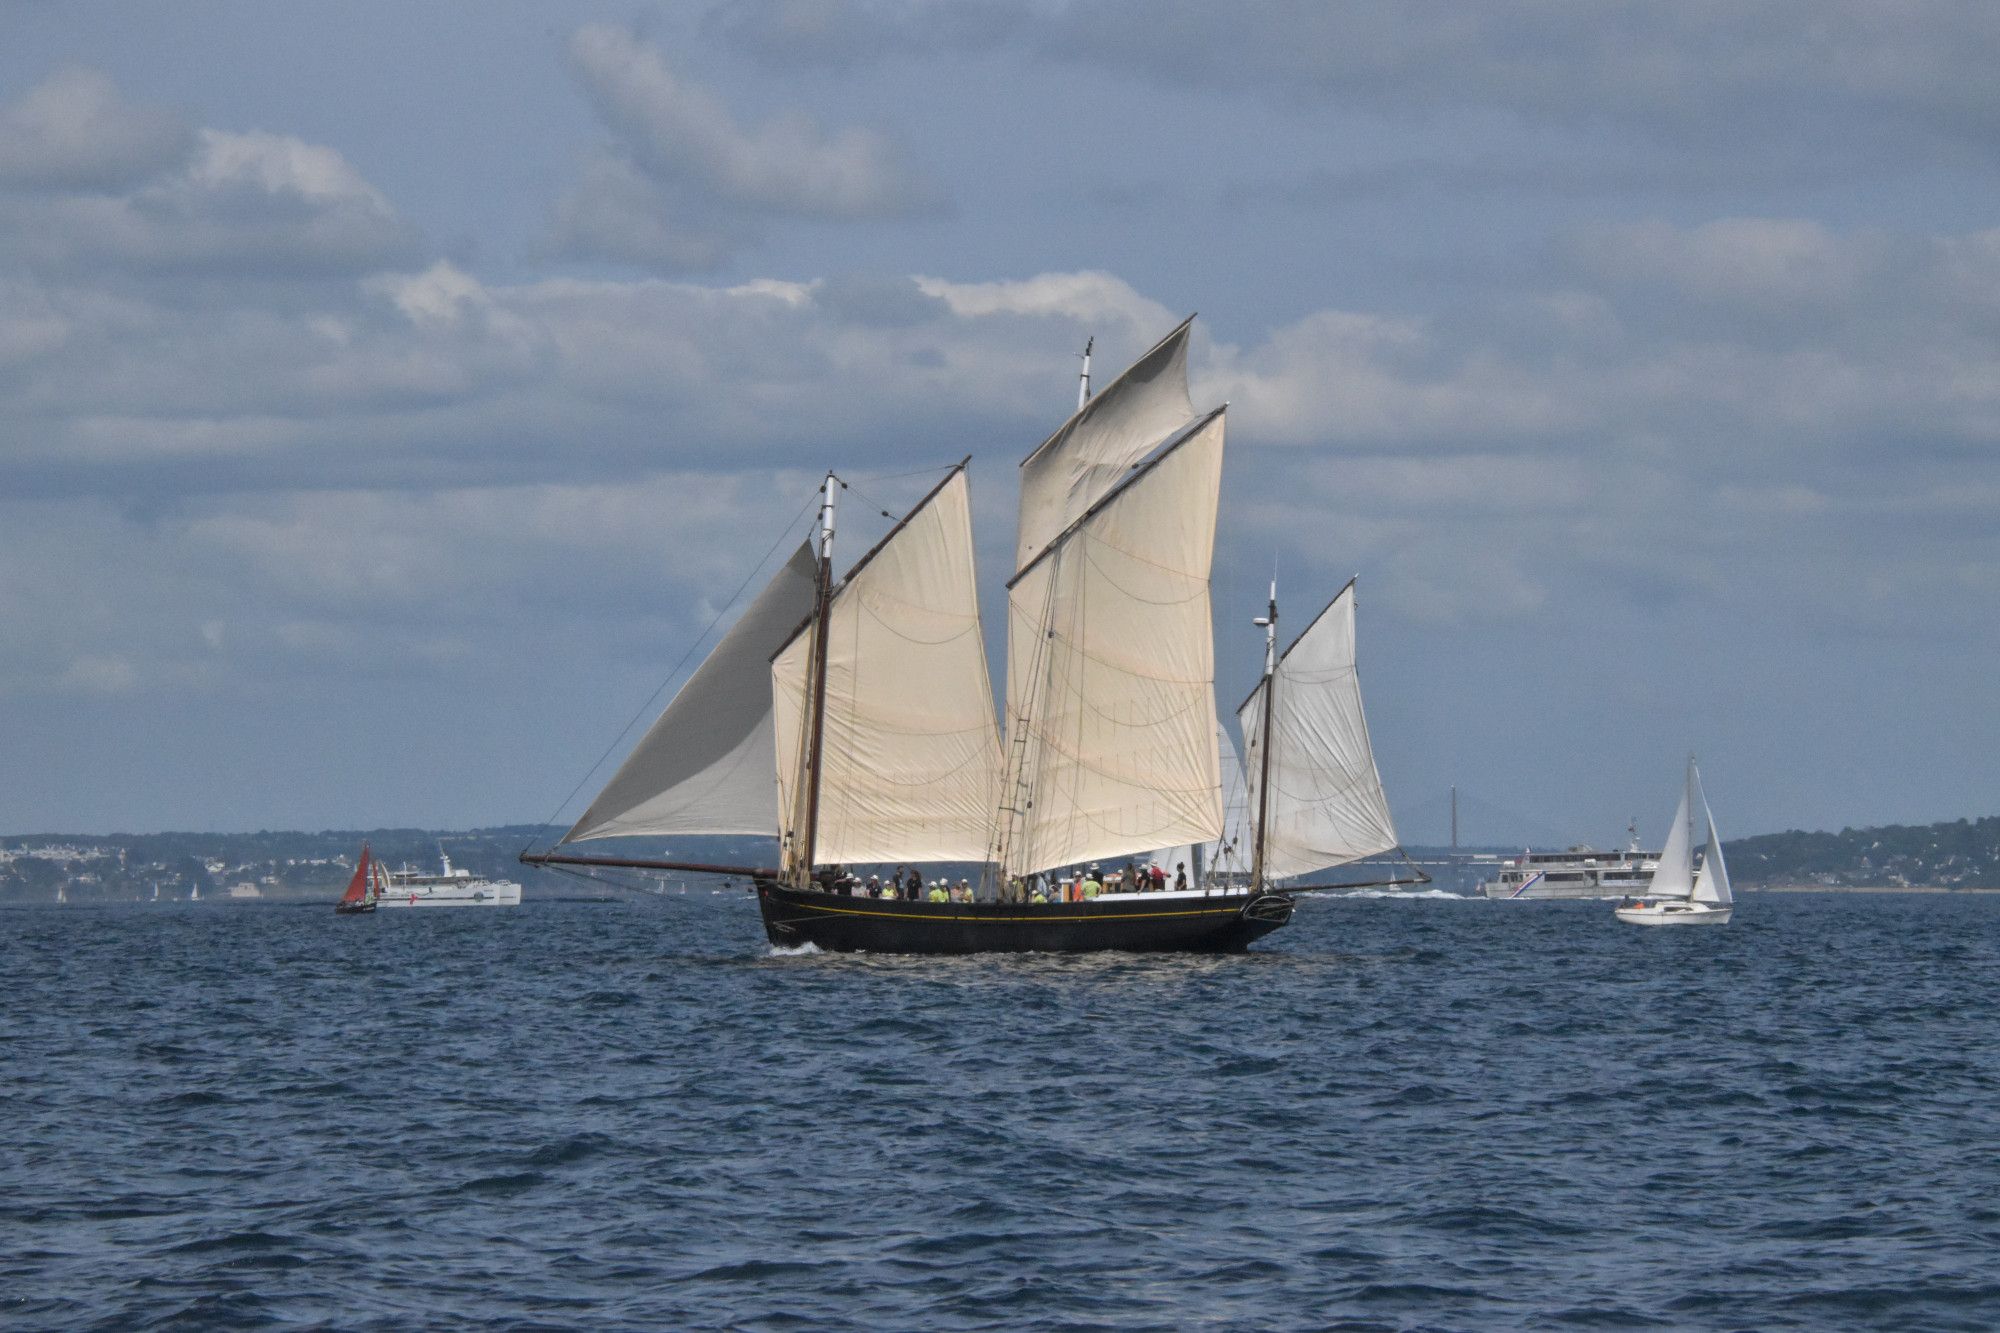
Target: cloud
(1860, 79)
(93, 184)
(685, 184)
(73, 131)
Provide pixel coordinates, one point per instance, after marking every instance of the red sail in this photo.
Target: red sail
(358, 886)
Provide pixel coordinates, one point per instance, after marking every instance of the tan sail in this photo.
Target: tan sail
(911, 749)
(1111, 670)
(1095, 449)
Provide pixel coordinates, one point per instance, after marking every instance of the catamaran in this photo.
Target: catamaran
(866, 703)
(1682, 894)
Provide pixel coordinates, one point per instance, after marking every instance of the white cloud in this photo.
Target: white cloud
(92, 184)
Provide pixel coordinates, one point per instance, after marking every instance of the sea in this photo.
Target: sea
(1399, 1113)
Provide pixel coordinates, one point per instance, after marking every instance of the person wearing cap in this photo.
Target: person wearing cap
(937, 894)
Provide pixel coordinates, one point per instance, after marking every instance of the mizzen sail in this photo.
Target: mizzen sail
(910, 758)
(706, 764)
(1326, 806)
(1111, 672)
(1094, 450)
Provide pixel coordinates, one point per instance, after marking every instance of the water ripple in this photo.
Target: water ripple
(1401, 1114)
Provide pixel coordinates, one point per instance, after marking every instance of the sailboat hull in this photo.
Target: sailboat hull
(1218, 923)
(352, 909)
(1675, 914)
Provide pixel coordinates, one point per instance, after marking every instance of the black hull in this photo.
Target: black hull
(1222, 923)
(352, 909)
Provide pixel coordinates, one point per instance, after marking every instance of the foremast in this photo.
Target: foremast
(800, 846)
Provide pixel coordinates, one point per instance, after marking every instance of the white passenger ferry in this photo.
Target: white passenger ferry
(456, 887)
(1580, 872)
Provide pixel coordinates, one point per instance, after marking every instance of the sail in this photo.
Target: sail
(1110, 672)
(1675, 877)
(1326, 806)
(706, 764)
(1711, 883)
(1094, 450)
(910, 751)
(357, 888)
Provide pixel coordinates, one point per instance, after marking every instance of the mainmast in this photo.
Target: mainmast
(1083, 380)
(1269, 622)
(802, 867)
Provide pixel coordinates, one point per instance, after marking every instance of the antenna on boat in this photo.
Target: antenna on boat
(1083, 380)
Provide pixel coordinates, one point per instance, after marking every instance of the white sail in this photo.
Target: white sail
(1711, 883)
(1110, 673)
(1094, 450)
(910, 753)
(706, 765)
(1326, 805)
(1675, 876)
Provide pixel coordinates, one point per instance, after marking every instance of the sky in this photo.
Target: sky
(392, 397)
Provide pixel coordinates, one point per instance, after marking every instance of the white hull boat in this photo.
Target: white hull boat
(456, 887)
(1682, 892)
(1675, 914)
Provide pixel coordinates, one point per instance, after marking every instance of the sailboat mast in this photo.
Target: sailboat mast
(822, 594)
(1083, 380)
(1270, 623)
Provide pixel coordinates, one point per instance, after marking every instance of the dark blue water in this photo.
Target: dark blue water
(1396, 1114)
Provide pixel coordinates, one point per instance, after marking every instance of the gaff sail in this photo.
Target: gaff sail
(1111, 672)
(910, 754)
(1326, 806)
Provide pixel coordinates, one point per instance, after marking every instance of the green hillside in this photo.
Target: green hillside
(1963, 854)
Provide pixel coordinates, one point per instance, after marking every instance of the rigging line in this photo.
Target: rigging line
(783, 535)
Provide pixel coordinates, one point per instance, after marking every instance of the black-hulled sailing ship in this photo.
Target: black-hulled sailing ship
(853, 719)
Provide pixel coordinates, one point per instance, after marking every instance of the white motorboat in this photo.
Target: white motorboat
(1682, 893)
(456, 887)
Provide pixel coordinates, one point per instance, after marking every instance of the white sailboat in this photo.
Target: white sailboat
(1682, 894)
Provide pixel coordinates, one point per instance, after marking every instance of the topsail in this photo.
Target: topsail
(1325, 806)
(1093, 451)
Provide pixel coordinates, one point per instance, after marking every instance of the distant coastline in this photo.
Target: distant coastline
(1869, 888)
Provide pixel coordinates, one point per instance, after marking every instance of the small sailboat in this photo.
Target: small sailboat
(1682, 893)
(364, 890)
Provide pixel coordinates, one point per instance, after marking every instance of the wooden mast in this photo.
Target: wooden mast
(822, 596)
(1269, 622)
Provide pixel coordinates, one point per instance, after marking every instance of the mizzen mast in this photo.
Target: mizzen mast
(1268, 622)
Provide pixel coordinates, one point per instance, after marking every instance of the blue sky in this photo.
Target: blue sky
(389, 395)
